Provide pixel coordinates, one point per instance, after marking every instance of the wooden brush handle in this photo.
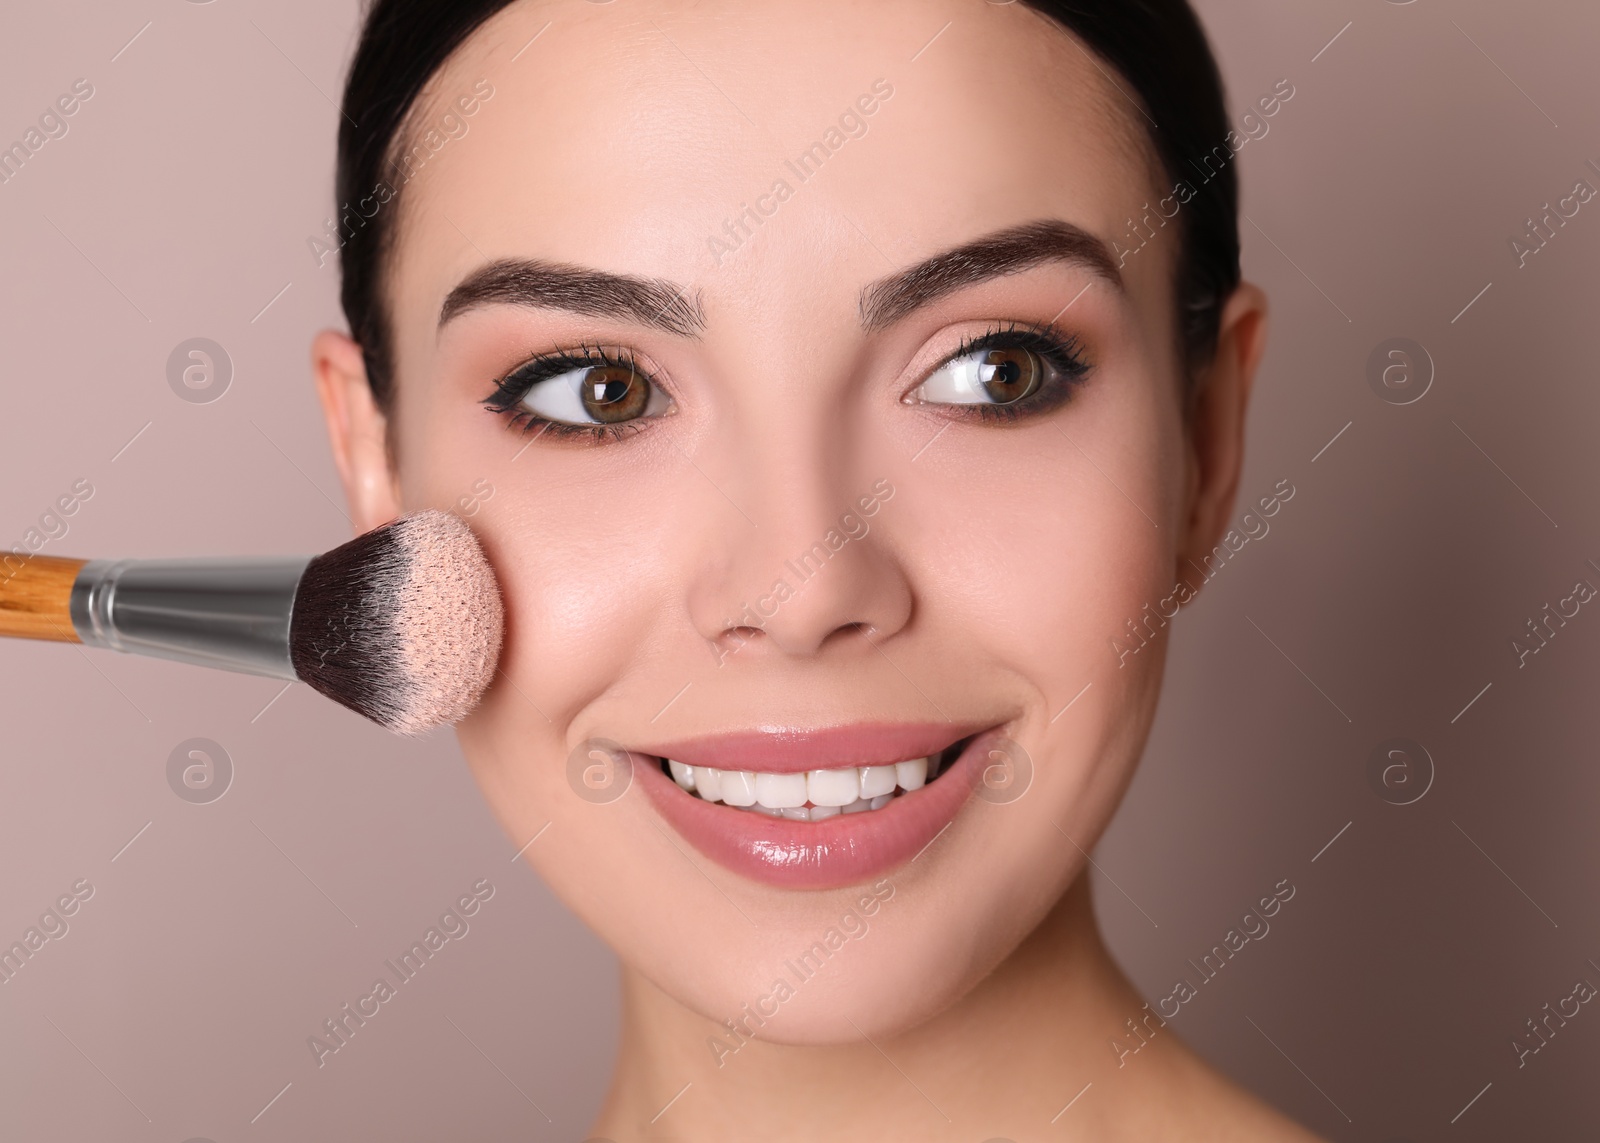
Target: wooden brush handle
(36, 598)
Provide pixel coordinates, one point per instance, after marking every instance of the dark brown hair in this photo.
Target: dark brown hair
(1156, 50)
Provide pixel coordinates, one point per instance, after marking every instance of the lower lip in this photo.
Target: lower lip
(846, 849)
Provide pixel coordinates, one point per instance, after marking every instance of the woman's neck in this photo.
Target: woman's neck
(1002, 1062)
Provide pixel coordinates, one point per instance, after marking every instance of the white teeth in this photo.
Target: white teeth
(833, 787)
(781, 791)
(738, 787)
(912, 775)
(708, 783)
(814, 795)
(876, 780)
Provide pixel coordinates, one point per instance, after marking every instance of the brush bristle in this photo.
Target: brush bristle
(402, 624)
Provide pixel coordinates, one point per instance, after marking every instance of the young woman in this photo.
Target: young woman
(831, 384)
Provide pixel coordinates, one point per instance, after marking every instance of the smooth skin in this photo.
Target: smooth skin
(982, 998)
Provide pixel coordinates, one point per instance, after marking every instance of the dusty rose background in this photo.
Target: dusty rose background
(1419, 542)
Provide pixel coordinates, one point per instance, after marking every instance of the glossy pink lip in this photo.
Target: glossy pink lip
(782, 751)
(847, 849)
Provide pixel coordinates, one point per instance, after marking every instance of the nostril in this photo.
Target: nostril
(735, 637)
(732, 641)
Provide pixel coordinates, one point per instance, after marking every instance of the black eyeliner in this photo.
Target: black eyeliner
(511, 388)
(1063, 352)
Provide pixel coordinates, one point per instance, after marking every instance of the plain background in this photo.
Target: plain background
(1418, 543)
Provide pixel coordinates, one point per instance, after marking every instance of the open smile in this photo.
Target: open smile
(813, 795)
(816, 809)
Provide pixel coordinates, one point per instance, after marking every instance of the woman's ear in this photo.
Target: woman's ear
(357, 429)
(1216, 424)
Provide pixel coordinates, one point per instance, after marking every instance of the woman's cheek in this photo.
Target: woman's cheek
(452, 454)
(579, 596)
(1043, 561)
(577, 586)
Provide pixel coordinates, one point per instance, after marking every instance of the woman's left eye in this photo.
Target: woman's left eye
(588, 393)
(1006, 373)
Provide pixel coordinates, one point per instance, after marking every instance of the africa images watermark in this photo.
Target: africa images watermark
(1541, 1029)
(1540, 229)
(1255, 127)
(1255, 527)
(1253, 926)
(851, 124)
(339, 1028)
(800, 968)
(1550, 620)
(52, 525)
(52, 926)
(52, 125)
(806, 565)
(432, 139)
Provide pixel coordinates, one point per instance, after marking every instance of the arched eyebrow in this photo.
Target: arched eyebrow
(1008, 251)
(672, 308)
(549, 285)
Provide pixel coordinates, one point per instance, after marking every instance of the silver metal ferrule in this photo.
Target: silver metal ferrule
(228, 613)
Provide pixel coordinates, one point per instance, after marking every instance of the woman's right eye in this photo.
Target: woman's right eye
(569, 394)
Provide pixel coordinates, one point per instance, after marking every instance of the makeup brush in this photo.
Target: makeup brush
(402, 624)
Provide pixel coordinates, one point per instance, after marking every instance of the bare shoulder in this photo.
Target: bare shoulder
(1214, 1109)
(1248, 1119)
(1176, 1095)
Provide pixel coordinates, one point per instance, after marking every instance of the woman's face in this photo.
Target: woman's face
(909, 508)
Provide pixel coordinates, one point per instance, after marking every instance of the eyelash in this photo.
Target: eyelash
(514, 386)
(1061, 351)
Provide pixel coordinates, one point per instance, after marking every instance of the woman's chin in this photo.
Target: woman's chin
(877, 1003)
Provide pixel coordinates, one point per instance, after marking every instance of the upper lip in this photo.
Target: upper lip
(785, 750)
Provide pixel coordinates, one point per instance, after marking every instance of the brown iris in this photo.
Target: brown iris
(612, 393)
(1009, 374)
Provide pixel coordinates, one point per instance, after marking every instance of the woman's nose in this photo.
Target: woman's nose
(804, 563)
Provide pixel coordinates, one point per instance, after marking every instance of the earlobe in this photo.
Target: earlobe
(1216, 429)
(357, 430)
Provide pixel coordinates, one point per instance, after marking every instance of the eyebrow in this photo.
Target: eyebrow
(577, 289)
(1008, 251)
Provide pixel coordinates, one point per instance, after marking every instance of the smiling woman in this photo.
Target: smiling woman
(939, 313)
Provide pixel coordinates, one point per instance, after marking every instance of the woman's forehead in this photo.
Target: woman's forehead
(721, 140)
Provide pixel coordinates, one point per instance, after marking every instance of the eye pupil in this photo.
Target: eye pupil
(613, 393)
(1009, 374)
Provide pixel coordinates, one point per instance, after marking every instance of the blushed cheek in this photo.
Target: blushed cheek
(440, 450)
(457, 458)
(1043, 562)
(578, 550)
(1077, 585)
